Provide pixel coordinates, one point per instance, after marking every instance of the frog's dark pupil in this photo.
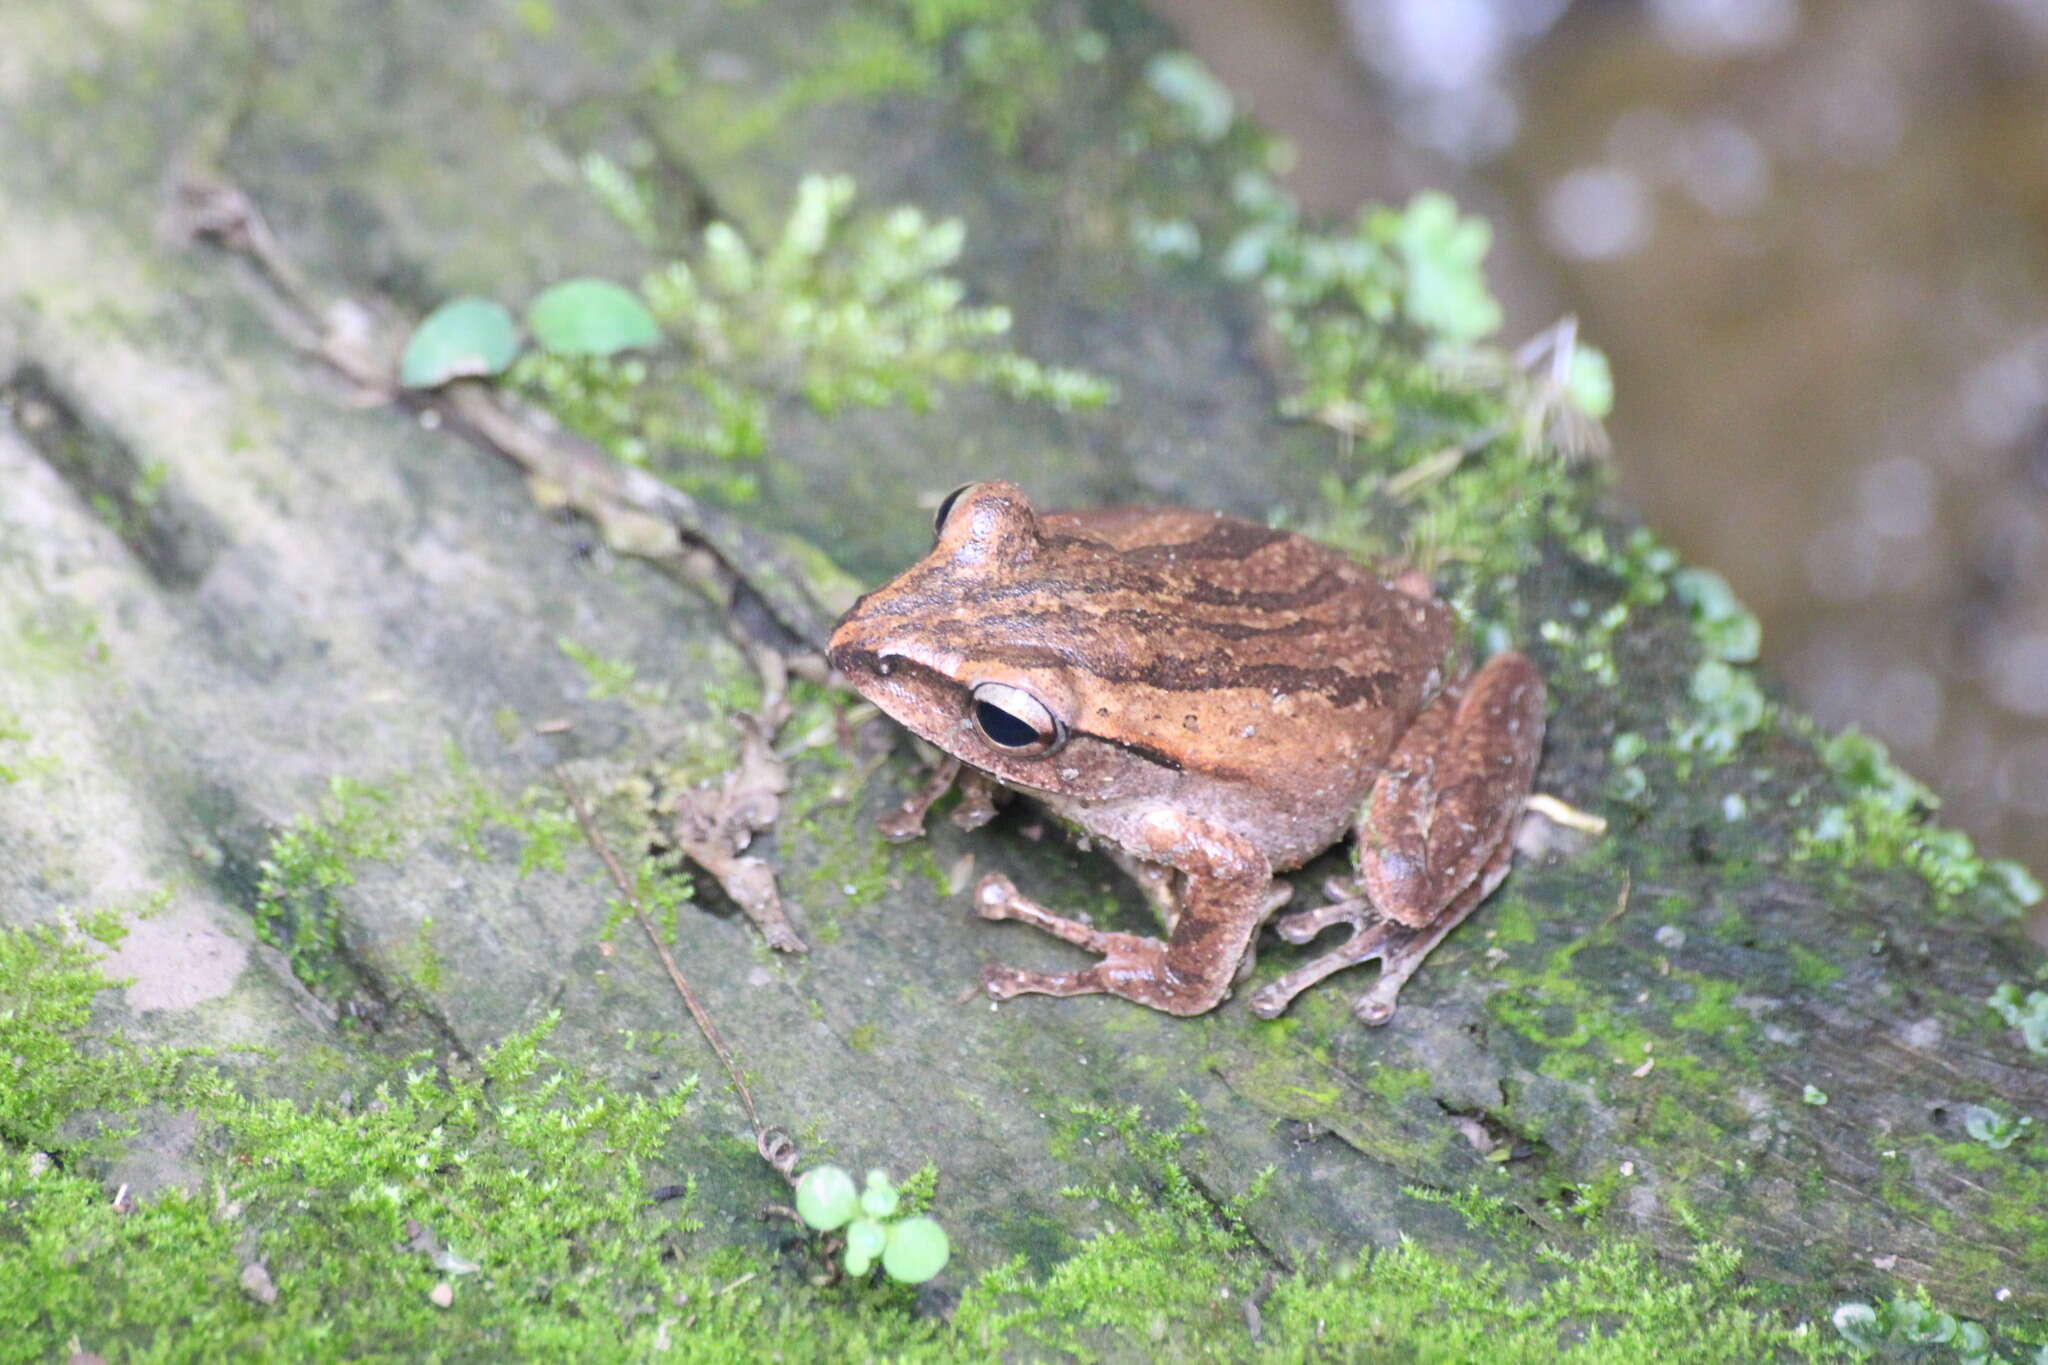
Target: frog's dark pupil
(1004, 729)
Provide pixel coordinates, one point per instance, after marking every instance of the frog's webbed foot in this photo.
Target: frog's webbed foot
(1400, 948)
(1371, 937)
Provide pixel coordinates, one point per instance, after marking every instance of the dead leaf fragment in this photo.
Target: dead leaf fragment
(714, 824)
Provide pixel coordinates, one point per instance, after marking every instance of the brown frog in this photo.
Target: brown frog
(1214, 699)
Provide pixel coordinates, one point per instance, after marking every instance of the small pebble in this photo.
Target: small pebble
(441, 1295)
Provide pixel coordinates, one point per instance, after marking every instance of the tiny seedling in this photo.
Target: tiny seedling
(911, 1250)
(1995, 1130)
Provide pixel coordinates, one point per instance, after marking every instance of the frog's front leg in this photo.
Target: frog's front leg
(1225, 896)
(977, 802)
(1437, 838)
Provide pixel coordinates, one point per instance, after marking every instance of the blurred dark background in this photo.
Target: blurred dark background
(1812, 235)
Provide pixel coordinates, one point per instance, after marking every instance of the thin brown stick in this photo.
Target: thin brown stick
(767, 1141)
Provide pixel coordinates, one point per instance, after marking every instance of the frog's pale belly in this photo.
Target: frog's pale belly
(1292, 836)
(1209, 694)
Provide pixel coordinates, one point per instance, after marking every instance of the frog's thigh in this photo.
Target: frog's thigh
(1451, 792)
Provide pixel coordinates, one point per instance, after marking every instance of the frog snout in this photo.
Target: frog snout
(845, 639)
(856, 652)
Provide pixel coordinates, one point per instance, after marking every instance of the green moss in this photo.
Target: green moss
(505, 721)
(16, 765)
(847, 864)
(661, 890)
(311, 859)
(1884, 821)
(426, 966)
(1005, 64)
(1394, 1084)
(606, 677)
(841, 311)
(1484, 1211)
(1512, 922)
(540, 819)
(49, 1068)
(523, 1185)
(1811, 968)
(1583, 1034)
(518, 1184)
(1710, 1010)
(58, 637)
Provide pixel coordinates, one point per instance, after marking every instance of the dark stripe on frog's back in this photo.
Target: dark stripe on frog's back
(1236, 588)
(1215, 568)
(1215, 671)
(924, 588)
(1300, 656)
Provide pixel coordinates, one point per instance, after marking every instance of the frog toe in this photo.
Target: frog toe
(1003, 982)
(996, 897)
(1303, 925)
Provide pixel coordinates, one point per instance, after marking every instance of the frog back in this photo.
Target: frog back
(1273, 672)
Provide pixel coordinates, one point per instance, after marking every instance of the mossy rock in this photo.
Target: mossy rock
(284, 677)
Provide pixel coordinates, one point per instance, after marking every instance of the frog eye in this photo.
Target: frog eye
(1016, 722)
(946, 508)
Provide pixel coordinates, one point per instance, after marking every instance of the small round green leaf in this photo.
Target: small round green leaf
(864, 1241)
(590, 317)
(466, 336)
(917, 1250)
(1859, 1325)
(879, 1199)
(825, 1197)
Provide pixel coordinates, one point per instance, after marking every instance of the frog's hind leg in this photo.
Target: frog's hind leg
(1400, 948)
(1452, 793)
(1437, 838)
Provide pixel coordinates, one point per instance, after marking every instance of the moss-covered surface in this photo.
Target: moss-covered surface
(283, 678)
(509, 1207)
